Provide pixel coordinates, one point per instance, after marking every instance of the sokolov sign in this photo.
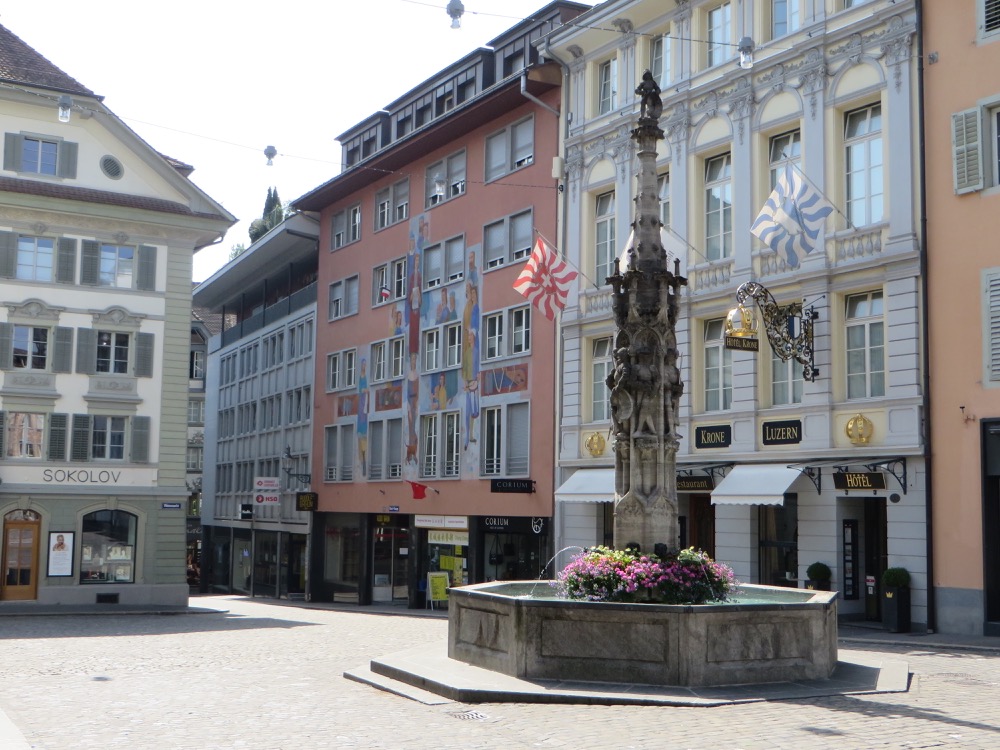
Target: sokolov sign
(89, 476)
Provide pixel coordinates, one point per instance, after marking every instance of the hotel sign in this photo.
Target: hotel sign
(713, 436)
(741, 343)
(859, 480)
(786, 432)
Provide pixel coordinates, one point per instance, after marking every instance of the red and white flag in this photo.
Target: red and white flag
(545, 280)
(419, 490)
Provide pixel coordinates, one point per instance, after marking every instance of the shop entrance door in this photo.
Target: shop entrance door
(390, 551)
(20, 556)
(701, 529)
(876, 556)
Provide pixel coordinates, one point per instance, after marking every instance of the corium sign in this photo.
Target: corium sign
(512, 485)
(859, 480)
(713, 436)
(787, 432)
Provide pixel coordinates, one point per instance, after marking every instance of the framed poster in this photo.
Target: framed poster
(437, 587)
(60, 554)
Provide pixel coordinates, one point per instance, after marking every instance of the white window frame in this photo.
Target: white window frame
(987, 19)
(432, 350)
(392, 204)
(787, 382)
(453, 345)
(445, 179)
(397, 357)
(47, 153)
(508, 239)
(40, 251)
(783, 148)
(601, 365)
(25, 435)
(195, 459)
(503, 451)
(660, 59)
(507, 333)
(380, 361)
(115, 440)
(866, 206)
(385, 449)
(117, 265)
(864, 360)
(510, 149)
(720, 191)
(344, 298)
(786, 17)
(440, 445)
(338, 453)
(719, 34)
(196, 411)
(605, 240)
(341, 370)
(663, 193)
(718, 367)
(114, 353)
(29, 339)
(607, 86)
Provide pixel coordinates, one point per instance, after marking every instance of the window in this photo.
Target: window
(108, 544)
(445, 180)
(432, 350)
(520, 329)
(604, 234)
(392, 204)
(786, 381)
(195, 457)
(783, 149)
(339, 455)
(493, 342)
(976, 149)
(112, 352)
(720, 32)
(35, 258)
(397, 349)
(107, 439)
(389, 282)
(718, 207)
(117, 264)
(354, 224)
(41, 155)
(23, 435)
(663, 191)
(991, 16)
(718, 368)
(510, 149)
(777, 539)
(497, 343)
(863, 160)
(385, 446)
(601, 366)
(506, 440)
(31, 346)
(197, 367)
(659, 60)
(607, 86)
(196, 411)
(344, 298)
(784, 17)
(865, 346)
(341, 370)
(379, 361)
(507, 240)
(429, 445)
(345, 227)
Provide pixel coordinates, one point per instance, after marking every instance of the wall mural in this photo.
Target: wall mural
(454, 389)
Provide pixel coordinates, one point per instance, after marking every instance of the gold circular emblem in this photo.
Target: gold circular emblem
(595, 444)
(859, 429)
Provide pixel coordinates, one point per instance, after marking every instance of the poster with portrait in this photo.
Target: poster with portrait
(60, 553)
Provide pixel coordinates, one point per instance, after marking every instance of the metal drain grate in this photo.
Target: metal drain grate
(471, 715)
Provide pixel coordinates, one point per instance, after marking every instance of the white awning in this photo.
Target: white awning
(755, 484)
(588, 486)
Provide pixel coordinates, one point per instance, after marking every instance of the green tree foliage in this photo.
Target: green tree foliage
(274, 214)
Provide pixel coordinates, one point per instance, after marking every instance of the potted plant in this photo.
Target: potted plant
(818, 576)
(896, 600)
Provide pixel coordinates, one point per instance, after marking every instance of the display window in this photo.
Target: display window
(107, 547)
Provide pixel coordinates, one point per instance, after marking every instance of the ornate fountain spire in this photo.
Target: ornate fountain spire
(645, 384)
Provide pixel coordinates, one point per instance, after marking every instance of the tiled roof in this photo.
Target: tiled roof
(212, 320)
(19, 63)
(66, 192)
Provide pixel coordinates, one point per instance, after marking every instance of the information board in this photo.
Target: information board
(437, 587)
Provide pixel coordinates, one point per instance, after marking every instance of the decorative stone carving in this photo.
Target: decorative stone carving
(39, 227)
(576, 50)
(34, 310)
(120, 237)
(117, 316)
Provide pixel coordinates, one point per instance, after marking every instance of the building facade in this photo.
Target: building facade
(97, 235)
(431, 457)
(770, 462)
(259, 400)
(963, 192)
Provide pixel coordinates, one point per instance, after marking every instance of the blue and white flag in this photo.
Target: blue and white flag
(791, 217)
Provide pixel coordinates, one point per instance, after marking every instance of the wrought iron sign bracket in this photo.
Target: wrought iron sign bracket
(814, 473)
(779, 323)
(895, 466)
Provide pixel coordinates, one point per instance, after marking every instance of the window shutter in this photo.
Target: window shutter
(80, 450)
(62, 352)
(86, 351)
(3, 434)
(966, 137)
(58, 426)
(66, 261)
(66, 166)
(496, 155)
(6, 346)
(143, 355)
(523, 137)
(518, 439)
(12, 152)
(140, 440)
(993, 342)
(90, 263)
(432, 266)
(352, 296)
(147, 268)
(8, 255)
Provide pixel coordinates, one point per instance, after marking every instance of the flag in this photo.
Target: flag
(670, 241)
(545, 280)
(420, 490)
(791, 217)
(383, 293)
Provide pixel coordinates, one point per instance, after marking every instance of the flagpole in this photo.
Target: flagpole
(563, 257)
(819, 190)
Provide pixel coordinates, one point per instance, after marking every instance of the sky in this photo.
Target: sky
(214, 82)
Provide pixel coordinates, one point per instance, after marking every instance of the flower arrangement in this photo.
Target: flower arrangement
(602, 574)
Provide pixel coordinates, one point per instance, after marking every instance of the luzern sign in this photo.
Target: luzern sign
(786, 432)
(713, 436)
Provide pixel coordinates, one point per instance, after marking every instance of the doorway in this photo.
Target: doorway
(21, 531)
(390, 551)
(876, 556)
(701, 524)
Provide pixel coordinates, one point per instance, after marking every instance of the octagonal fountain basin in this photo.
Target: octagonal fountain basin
(763, 634)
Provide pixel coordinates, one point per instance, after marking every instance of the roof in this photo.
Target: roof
(19, 63)
(211, 320)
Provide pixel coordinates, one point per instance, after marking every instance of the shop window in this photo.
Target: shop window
(107, 547)
(777, 538)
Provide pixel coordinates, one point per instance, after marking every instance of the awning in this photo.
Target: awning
(588, 486)
(755, 484)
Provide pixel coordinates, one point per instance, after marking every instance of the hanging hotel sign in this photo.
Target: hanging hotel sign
(785, 432)
(713, 436)
(859, 480)
(695, 484)
(306, 501)
(741, 330)
(512, 485)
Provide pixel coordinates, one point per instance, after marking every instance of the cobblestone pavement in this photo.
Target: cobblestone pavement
(267, 676)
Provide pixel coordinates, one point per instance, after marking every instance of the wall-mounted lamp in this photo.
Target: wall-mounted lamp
(288, 458)
(455, 10)
(968, 417)
(746, 52)
(65, 107)
(270, 152)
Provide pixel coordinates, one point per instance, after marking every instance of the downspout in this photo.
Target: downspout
(929, 506)
(528, 95)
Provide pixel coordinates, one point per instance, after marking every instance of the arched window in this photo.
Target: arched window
(107, 548)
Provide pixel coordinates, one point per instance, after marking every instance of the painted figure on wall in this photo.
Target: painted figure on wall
(362, 430)
(470, 350)
(439, 394)
(412, 408)
(414, 295)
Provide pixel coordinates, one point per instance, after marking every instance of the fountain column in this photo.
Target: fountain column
(645, 383)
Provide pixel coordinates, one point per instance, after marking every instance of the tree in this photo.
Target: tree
(274, 214)
(237, 250)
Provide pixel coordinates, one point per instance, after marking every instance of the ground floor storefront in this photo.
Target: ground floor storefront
(266, 562)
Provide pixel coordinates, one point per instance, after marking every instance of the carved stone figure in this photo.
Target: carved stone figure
(651, 107)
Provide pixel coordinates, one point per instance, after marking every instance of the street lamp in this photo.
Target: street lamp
(287, 459)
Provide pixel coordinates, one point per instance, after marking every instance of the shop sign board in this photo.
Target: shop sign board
(859, 480)
(695, 484)
(526, 486)
(306, 501)
(441, 536)
(785, 432)
(437, 586)
(266, 490)
(423, 521)
(713, 436)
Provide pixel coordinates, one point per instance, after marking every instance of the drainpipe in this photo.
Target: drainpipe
(528, 95)
(929, 514)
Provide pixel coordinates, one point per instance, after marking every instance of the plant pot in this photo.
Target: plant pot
(896, 609)
(818, 585)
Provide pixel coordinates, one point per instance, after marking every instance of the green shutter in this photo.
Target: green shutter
(6, 346)
(86, 351)
(147, 268)
(66, 261)
(3, 434)
(140, 440)
(90, 263)
(12, 151)
(58, 426)
(81, 438)
(143, 355)
(966, 140)
(8, 255)
(62, 351)
(66, 165)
